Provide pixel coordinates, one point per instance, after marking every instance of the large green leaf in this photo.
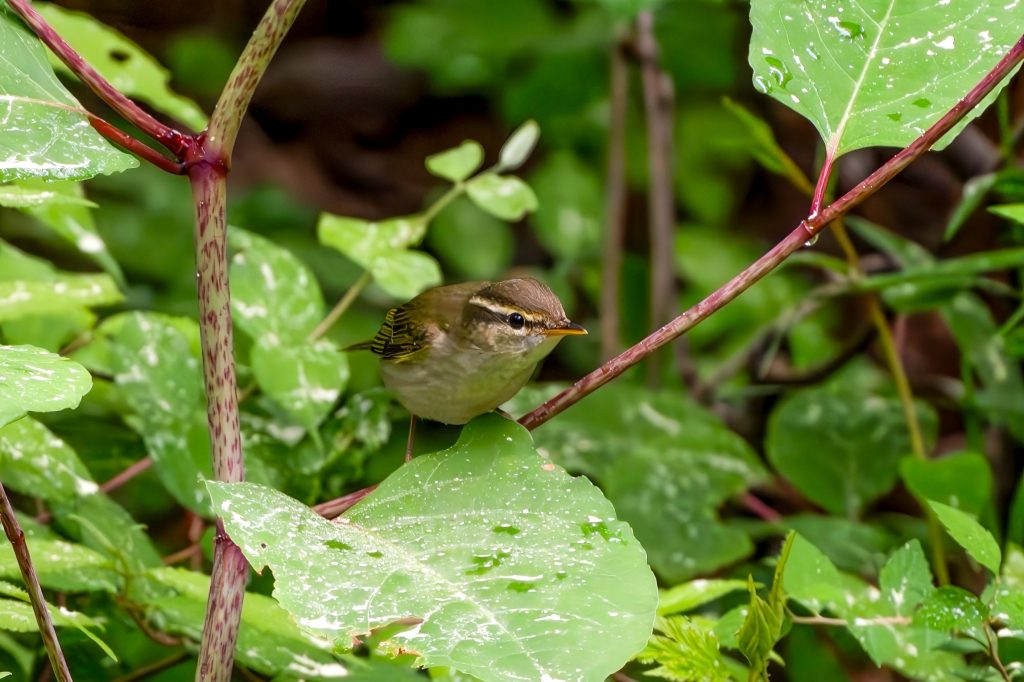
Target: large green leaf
(127, 66)
(161, 379)
(52, 138)
(269, 642)
(876, 72)
(511, 568)
(306, 380)
(68, 213)
(841, 448)
(682, 464)
(35, 380)
(277, 300)
(274, 296)
(62, 566)
(36, 462)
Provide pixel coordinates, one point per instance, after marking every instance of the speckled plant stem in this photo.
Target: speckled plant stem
(208, 165)
(35, 592)
(769, 261)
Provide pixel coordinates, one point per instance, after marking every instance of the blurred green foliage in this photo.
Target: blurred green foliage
(778, 419)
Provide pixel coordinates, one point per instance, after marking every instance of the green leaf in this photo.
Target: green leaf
(405, 274)
(839, 447)
(504, 196)
(962, 480)
(765, 148)
(951, 608)
(971, 197)
(24, 195)
(810, 577)
(62, 566)
(517, 148)
(53, 138)
(160, 378)
(514, 569)
(274, 297)
(1014, 212)
(1002, 383)
(458, 163)
(683, 463)
(471, 243)
(970, 535)
(128, 67)
(851, 545)
(269, 642)
(59, 294)
(68, 214)
(36, 462)
(35, 380)
(686, 651)
(876, 73)
(905, 580)
(305, 380)
(381, 247)
(571, 206)
(1008, 601)
(760, 630)
(695, 593)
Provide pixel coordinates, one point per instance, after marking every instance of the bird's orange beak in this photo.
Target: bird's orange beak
(566, 329)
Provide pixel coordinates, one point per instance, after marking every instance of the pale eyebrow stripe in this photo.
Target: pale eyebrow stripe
(499, 309)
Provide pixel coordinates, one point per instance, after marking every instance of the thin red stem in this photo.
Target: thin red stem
(791, 243)
(822, 185)
(336, 507)
(128, 474)
(35, 591)
(175, 141)
(135, 146)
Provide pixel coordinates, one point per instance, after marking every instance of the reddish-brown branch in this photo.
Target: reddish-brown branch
(615, 202)
(791, 243)
(336, 507)
(128, 474)
(135, 146)
(175, 141)
(35, 591)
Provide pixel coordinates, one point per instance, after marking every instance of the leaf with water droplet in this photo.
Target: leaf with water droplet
(859, 71)
(442, 561)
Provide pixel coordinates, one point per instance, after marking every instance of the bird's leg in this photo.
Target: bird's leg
(412, 434)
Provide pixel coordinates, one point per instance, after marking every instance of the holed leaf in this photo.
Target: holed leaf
(510, 568)
(127, 66)
(53, 138)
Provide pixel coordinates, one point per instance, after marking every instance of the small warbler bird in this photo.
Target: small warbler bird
(458, 351)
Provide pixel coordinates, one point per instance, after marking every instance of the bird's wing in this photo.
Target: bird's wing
(397, 339)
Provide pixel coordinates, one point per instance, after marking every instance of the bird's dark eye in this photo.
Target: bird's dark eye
(516, 321)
